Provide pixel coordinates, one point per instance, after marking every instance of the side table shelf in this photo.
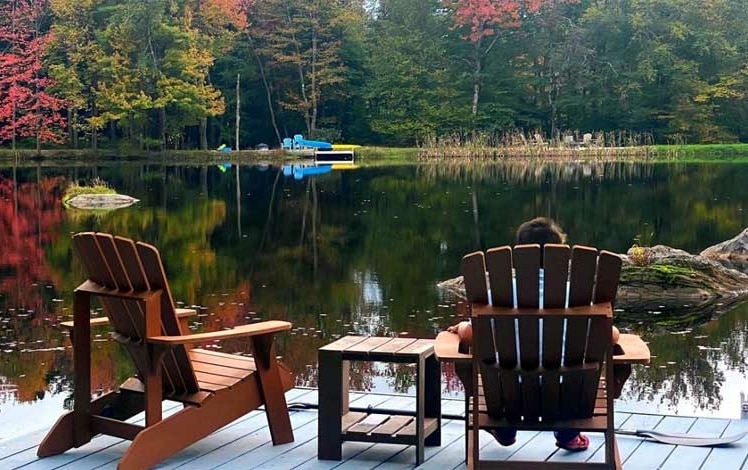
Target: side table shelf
(338, 424)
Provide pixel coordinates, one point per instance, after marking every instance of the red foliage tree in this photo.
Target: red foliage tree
(26, 109)
(484, 18)
(30, 217)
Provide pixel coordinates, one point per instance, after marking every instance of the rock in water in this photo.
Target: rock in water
(674, 283)
(732, 252)
(101, 201)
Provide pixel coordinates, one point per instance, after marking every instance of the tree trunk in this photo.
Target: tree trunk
(238, 115)
(13, 134)
(162, 124)
(204, 133)
(300, 67)
(476, 77)
(94, 131)
(72, 132)
(315, 92)
(268, 95)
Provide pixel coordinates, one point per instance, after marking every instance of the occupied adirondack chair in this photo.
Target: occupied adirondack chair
(542, 364)
(215, 388)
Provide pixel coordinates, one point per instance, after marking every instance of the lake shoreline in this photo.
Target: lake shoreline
(725, 153)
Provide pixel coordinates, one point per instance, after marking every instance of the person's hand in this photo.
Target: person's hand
(465, 332)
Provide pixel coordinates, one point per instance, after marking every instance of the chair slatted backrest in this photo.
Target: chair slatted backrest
(541, 362)
(120, 264)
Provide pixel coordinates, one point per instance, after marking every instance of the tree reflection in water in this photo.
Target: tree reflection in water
(356, 252)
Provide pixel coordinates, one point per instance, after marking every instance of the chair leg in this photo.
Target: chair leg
(612, 457)
(59, 438)
(617, 462)
(272, 390)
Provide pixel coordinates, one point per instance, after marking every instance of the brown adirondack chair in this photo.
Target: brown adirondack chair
(542, 368)
(215, 388)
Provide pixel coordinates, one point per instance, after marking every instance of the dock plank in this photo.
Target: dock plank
(732, 457)
(253, 446)
(651, 454)
(373, 456)
(28, 459)
(452, 430)
(695, 455)
(253, 422)
(448, 455)
(350, 451)
(492, 450)
(596, 452)
(628, 444)
(245, 443)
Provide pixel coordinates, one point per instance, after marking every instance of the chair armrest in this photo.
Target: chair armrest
(185, 312)
(261, 328)
(446, 348)
(635, 351)
(181, 313)
(68, 325)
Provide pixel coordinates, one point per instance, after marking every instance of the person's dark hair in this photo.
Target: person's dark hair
(540, 230)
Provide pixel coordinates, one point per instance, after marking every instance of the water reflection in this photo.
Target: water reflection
(355, 252)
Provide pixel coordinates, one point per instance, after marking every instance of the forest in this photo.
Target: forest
(138, 75)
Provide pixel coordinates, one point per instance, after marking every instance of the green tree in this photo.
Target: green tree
(410, 90)
(300, 44)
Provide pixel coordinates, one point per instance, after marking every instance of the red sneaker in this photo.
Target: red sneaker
(578, 444)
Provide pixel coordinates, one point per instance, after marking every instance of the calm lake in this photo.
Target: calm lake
(355, 251)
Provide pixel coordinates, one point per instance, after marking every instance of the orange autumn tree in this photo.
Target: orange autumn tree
(483, 20)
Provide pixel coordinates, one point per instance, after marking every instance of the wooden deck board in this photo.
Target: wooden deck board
(733, 457)
(695, 455)
(245, 443)
(97, 447)
(264, 452)
(652, 454)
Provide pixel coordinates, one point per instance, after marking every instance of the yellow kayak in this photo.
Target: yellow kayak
(344, 146)
(344, 166)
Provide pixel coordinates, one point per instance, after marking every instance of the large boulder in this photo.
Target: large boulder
(101, 201)
(732, 252)
(668, 282)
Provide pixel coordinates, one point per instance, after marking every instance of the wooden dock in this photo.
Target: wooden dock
(245, 444)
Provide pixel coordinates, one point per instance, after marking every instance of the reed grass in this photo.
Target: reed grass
(97, 186)
(569, 145)
(533, 171)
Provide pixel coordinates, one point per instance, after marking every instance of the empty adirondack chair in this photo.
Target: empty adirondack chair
(288, 143)
(215, 388)
(543, 364)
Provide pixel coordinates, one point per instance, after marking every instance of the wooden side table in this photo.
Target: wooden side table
(338, 424)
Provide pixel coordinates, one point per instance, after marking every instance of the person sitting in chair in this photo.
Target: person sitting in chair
(540, 230)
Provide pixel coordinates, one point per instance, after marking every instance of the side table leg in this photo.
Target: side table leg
(329, 442)
(420, 410)
(433, 399)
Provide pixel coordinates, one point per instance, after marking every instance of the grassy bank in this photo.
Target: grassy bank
(704, 152)
(198, 156)
(463, 152)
